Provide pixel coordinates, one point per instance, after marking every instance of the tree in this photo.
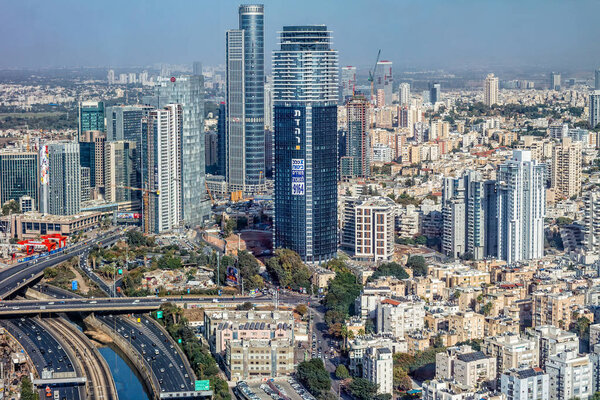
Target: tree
(27, 392)
(417, 264)
(230, 226)
(313, 375)
(389, 269)
(246, 306)
(342, 292)
(11, 207)
(288, 270)
(402, 381)
(249, 268)
(302, 309)
(169, 261)
(341, 372)
(363, 389)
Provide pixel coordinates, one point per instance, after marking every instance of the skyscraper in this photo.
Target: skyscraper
(384, 80)
(188, 91)
(404, 93)
(121, 174)
(197, 68)
(164, 178)
(18, 176)
(490, 93)
(521, 208)
(91, 155)
(357, 139)
(597, 79)
(245, 102)
(347, 83)
(125, 122)
(594, 108)
(566, 168)
(305, 109)
(222, 140)
(60, 178)
(90, 116)
(554, 81)
(435, 93)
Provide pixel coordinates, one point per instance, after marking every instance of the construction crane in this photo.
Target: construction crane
(372, 76)
(209, 193)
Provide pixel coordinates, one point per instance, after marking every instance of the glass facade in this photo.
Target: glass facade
(18, 176)
(87, 159)
(305, 143)
(91, 116)
(62, 191)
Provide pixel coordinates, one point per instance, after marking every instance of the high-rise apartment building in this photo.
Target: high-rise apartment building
(163, 180)
(121, 173)
(347, 83)
(384, 80)
(594, 109)
(378, 367)
(554, 81)
(521, 208)
(570, 376)
(435, 92)
(18, 176)
(357, 137)
(374, 229)
(90, 116)
(305, 110)
(60, 188)
(566, 168)
(525, 384)
(597, 79)
(245, 102)
(188, 91)
(490, 94)
(404, 93)
(591, 226)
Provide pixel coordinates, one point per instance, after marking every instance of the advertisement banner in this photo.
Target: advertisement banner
(297, 176)
(44, 165)
(233, 275)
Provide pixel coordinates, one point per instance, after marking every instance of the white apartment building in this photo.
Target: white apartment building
(570, 376)
(400, 316)
(525, 384)
(511, 351)
(490, 95)
(552, 341)
(374, 229)
(471, 369)
(378, 367)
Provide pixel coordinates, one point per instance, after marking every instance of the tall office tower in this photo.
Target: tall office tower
(125, 122)
(404, 93)
(18, 176)
(85, 184)
(347, 83)
(245, 102)
(210, 151)
(490, 94)
(384, 80)
(521, 208)
(90, 116)
(554, 81)
(164, 179)
(591, 221)
(60, 188)
(594, 109)
(435, 93)
(566, 168)
(91, 155)
(111, 77)
(469, 216)
(222, 140)
(121, 174)
(197, 68)
(306, 93)
(269, 104)
(597, 79)
(357, 139)
(188, 91)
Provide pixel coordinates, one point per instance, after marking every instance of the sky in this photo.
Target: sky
(432, 34)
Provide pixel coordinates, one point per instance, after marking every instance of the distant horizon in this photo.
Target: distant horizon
(441, 35)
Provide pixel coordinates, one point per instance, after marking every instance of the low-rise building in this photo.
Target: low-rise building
(259, 358)
(468, 325)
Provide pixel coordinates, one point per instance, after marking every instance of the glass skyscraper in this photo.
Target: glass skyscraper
(18, 176)
(245, 101)
(60, 178)
(90, 116)
(305, 71)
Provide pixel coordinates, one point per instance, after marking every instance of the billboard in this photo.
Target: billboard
(44, 165)
(233, 275)
(128, 215)
(297, 176)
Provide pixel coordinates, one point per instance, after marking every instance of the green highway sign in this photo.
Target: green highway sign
(201, 385)
(120, 271)
(159, 314)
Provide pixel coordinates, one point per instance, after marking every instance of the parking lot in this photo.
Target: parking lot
(288, 387)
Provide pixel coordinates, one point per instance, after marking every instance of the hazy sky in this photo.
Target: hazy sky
(422, 33)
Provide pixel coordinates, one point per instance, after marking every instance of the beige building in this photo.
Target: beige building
(555, 308)
(467, 325)
(511, 351)
(490, 94)
(374, 229)
(566, 168)
(469, 368)
(259, 358)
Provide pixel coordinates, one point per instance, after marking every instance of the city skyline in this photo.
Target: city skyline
(188, 32)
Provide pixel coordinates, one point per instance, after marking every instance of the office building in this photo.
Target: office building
(268, 106)
(435, 93)
(594, 109)
(347, 83)
(188, 91)
(18, 176)
(554, 81)
(357, 137)
(245, 102)
(222, 140)
(378, 367)
(384, 80)
(570, 376)
(125, 122)
(91, 155)
(525, 384)
(196, 68)
(306, 166)
(597, 79)
(490, 94)
(60, 188)
(521, 208)
(163, 180)
(404, 93)
(566, 169)
(210, 151)
(121, 174)
(90, 116)
(85, 184)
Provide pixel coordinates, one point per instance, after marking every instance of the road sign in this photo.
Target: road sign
(179, 340)
(159, 314)
(120, 271)
(74, 285)
(202, 385)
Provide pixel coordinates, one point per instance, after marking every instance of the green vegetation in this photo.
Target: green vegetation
(406, 199)
(418, 265)
(313, 375)
(406, 364)
(288, 270)
(389, 269)
(11, 207)
(341, 372)
(41, 120)
(62, 275)
(138, 239)
(27, 392)
(339, 302)
(582, 328)
(563, 221)
(363, 389)
(201, 360)
(474, 343)
(248, 266)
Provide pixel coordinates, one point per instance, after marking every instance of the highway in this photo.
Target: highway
(15, 277)
(44, 351)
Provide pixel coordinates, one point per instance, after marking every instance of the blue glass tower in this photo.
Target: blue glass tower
(305, 118)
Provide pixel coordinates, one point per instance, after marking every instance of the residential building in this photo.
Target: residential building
(591, 220)
(554, 81)
(259, 358)
(347, 83)
(19, 176)
(490, 94)
(566, 168)
(552, 341)
(404, 93)
(374, 229)
(378, 367)
(90, 116)
(555, 308)
(471, 369)
(467, 325)
(597, 79)
(400, 316)
(382, 153)
(357, 348)
(357, 137)
(525, 384)
(245, 93)
(594, 108)
(570, 376)
(305, 108)
(511, 351)
(60, 189)
(521, 208)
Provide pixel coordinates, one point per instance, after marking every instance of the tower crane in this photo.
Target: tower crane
(372, 75)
